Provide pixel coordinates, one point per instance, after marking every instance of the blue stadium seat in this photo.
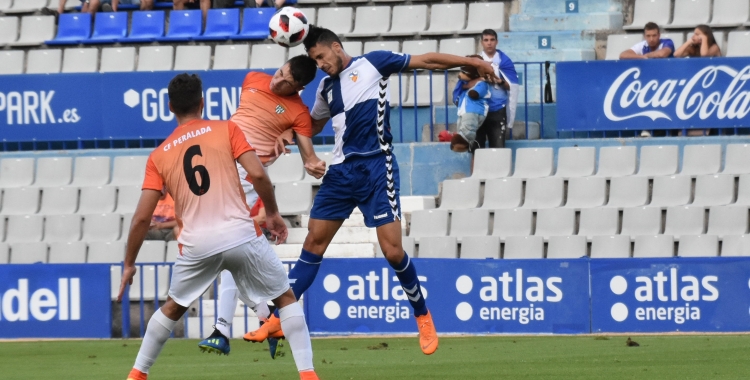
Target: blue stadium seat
(221, 25)
(255, 24)
(146, 26)
(72, 29)
(109, 28)
(184, 25)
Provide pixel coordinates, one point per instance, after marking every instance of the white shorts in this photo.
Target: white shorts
(257, 271)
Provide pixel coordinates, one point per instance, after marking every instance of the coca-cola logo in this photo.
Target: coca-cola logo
(705, 95)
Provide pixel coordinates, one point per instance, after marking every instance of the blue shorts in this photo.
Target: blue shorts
(370, 183)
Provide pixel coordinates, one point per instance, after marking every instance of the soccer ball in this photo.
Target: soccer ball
(288, 27)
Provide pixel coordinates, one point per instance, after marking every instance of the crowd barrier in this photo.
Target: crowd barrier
(363, 296)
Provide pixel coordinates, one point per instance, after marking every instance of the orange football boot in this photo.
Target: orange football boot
(271, 328)
(428, 339)
(308, 375)
(137, 375)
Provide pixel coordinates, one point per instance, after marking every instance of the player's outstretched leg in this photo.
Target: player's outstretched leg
(218, 342)
(157, 332)
(293, 322)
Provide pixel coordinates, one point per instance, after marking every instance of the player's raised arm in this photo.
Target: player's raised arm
(313, 164)
(138, 229)
(440, 61)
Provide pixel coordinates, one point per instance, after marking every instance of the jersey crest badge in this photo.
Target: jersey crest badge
(354, 75)
(280, 109)
(330, 96)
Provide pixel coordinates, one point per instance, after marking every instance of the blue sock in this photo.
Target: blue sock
(407, 275)
(303, 274)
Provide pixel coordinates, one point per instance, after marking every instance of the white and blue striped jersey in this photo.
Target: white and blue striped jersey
(357, 102)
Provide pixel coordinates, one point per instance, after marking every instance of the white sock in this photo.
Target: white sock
(295, 329)
(158, 331)
(228, 295)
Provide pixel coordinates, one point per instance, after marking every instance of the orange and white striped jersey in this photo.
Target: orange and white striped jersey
(196, 164)
(263, 116)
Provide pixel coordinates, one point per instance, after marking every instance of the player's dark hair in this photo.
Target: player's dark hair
(323, 36)
(489, 32)
(303, 69)
(650, 26)
(185, 93)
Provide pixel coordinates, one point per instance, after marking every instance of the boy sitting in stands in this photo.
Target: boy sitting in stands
(470, 95)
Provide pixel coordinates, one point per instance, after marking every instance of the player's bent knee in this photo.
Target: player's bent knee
(285, 299)
(172, 309)
(393, 253)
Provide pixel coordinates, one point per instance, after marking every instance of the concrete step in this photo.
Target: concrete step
(566, 21)
(345, 235)
(292, 251)
(556, 40)
(558, 6)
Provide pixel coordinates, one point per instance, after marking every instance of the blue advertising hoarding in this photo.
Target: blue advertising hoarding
(60, 107)
(653, 94)
(465, 296)
(55, 301)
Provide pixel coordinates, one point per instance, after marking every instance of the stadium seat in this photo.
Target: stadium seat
(735, 245)
(117, 59)
(730, 13)
(287, 168)
(20, 201)
(370, 21)
(91, 171)
(371, 46)
(688, 14)
(714, 190)
(743, 190)
(443, 247)
(5, 5)
(513, 222)
(35, 30)
(683, 220)
(44, 61)
(11, 62)
(524, 247)
(658, 11)
(484, 16)
(184, 26)
(294, 198)
(616, 161)
(146, 26)
(653, 246)
(629, 191)
(738, 44)
(4, 253)
(8, 30)
(71, 252)
(24, 228)
(127, 199)
(678, 38)
(26, 6)
(459, 194)
(255, 24)
(28, 253)
(722, 41)
(72, 29)
(152, 251)
(106, 252)
(701, 159)
(533, 162)
(698, 246)
(192, 58)
(420, 47)
(16, 172)
(618, 43)
(480, 247)
(267, 56)
(155, 58)
(555, 222)
(59, 200)
(231, 57)
(173, 250)
(492, 163)
(128, 170)
(97, 199)
(566, 247)
(407, 243)
(395, 89)
(459, 46)
(599, 221)
(428, 223)
(474, 222)
(354, 48)
(641, 221)
(575, 162)
(610, 247)
(149, 274)
(658, 160)
(62, 228)
(738, 155)
(422, 84)
(109, 28)
(408, 20)
(502, 193)
(727, 220)
(446, 19)
(77, 60)
(127, 220)
(544, 193)
(327, 157)
(313, 1)
(311, 14)
(221, 25)
(101, 227)
(586, 192)
(338, 20)
(671, 191)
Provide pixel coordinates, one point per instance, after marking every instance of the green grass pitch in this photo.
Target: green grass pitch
(506, 357)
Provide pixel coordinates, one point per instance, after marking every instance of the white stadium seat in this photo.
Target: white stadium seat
(502, 193)
(59, 200)
(491, 163)
(287, 168)
(688, 14)
(698, 246)
(458, 46)
(80, 60)
(26, 6)
(738, 44)
(730, 13)
(629, 191)
(714, 190)
(191, 58)
(62, 228)
(267, 56)
(575, 162)
(155, 58)
(586, 192)
(599, 221)
(11, 62)
(129, 170)
(101, 227)
(671, 191)
(24, 228)
(641, 221)
(475, 222)
(524, 247)
(459, 194)
(555, 222)
(294, 198)
(658, 11)
(106, 252)
(152, 251)
(653, 246)
(28, 253)
(427, 223)
(16, 172)
(682, 220)
(610, 247)
(370, 21)
(423, 98)
(513, 222)
(485, 16)
(617, 161)
(4, 253)
(408, 20)
(533, 162)
(371, 46)
(480, 247)
(442, 247)
(232, 57)
(416, 47)
(117, 59)
(97, 199)
(35, 30)
(618, 43)
(727, 220)
(658, 160)
(566, 247)
(127, 198)
(72, 252)
(701, 159)
(8, 30)
(20, 201)
(446, 19)
(544, 193)
(735, 245)
(738, 155)
(44, 61)
(743, 190)
(53, 171)
(91, 171)
(408, 244)
(338, 20)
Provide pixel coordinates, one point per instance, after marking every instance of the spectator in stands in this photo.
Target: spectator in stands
(471, 95)
(502, 104)
(653, 46)
(701, 44)
(204, 6)
(163, 222)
